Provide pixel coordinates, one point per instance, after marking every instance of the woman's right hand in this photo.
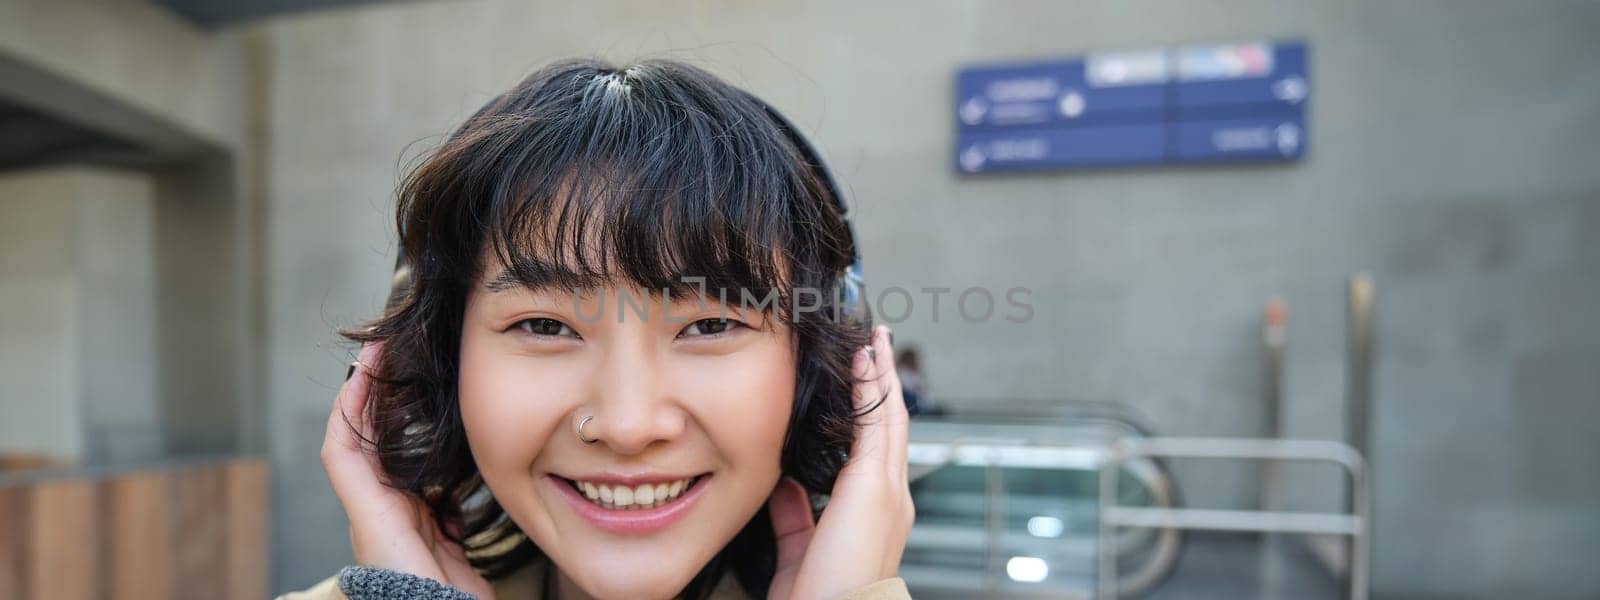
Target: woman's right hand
(389, 528)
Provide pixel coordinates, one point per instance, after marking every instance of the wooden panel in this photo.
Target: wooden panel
(177, 532)
(141, 536)
(199, 553)
(13, 518)
(247, 529)
(26, 462)
(63, 541)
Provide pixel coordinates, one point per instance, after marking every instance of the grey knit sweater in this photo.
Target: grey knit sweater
(370, 583)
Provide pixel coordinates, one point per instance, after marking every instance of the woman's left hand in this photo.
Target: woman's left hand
(863, 531)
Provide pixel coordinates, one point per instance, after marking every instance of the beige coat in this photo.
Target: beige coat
(525, 585)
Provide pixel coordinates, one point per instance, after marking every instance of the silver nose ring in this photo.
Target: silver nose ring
(581, 437)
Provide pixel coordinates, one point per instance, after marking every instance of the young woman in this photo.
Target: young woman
(618, 369)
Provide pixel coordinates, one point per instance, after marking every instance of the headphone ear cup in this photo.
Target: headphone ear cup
(399, 286)
(852, 297)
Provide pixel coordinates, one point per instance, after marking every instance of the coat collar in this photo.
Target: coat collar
(527, 583)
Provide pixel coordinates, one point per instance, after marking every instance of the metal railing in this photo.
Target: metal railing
(1354, 524)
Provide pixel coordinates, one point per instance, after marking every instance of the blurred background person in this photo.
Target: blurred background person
(914, 382)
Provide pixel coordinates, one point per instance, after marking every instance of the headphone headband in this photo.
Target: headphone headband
(810, 154)
(852, 280)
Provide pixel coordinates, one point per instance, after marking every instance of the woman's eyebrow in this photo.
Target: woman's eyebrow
(502, 282)
(537, 280)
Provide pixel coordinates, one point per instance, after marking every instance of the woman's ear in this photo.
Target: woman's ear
(813, 499)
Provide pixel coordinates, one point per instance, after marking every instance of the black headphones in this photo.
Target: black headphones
(850, 293)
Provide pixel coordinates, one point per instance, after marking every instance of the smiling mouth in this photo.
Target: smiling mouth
(636, 497)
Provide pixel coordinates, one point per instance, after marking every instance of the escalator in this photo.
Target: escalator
(1007, 506)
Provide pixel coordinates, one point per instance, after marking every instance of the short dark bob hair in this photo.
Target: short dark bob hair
(586, 174)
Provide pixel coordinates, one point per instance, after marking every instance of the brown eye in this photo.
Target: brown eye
(710, 327)
(547, 327)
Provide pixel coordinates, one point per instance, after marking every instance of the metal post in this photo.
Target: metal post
(1360, 363)
(1274, 336)
(1360, 410)
(1105, 547)
(1361, 542)
(993, 489)
(1358, 419)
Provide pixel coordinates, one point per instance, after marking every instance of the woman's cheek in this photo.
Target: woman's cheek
(508, 407)
(745, 403)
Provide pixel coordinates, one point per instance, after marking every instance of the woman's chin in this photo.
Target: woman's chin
(623, 575)
(611, 561)
(642, 553)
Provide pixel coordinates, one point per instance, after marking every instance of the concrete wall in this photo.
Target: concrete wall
(134, 72)
(117, 353)
(78, 367)
(1452, 152)
(138, 53)
(38, 333)
(159, 318)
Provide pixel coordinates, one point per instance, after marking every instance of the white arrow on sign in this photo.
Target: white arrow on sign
(1071, 104)
(1288, 135)
(1291, 89)
(973, 110)
(973, 158)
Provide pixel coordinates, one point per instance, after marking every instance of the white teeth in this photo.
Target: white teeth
(645, 495)
(632, 498)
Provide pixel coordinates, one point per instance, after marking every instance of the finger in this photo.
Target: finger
(350, 404)
(896, 419)
(352, 471)
(868, 396)
(881, 432)
(354, 403)
(868, 387)
(889, 378)
(792, 523)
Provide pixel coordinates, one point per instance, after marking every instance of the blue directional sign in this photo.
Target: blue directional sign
(1240, 140)
(1091, 146)
(1274, 83)
(1177, 105)
(1051, 94)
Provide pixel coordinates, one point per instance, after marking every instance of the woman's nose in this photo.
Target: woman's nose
(632, 409)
